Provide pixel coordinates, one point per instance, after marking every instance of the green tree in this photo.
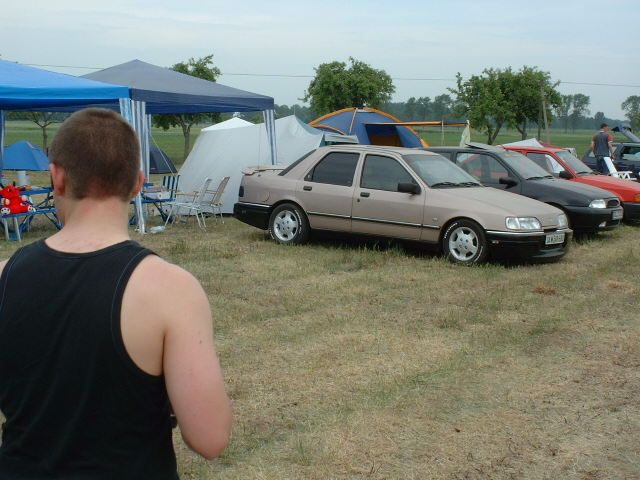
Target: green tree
(423, 108)
(201, 68)
(337, 86)
(410, 109)
(580, 109)
(562, 110)
(530, 89)
(485, 100)
(441, 106)
(631, 107)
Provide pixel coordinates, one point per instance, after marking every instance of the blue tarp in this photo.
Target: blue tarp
(166, 91)
(23, 87)
(371, 126)
(24, 155)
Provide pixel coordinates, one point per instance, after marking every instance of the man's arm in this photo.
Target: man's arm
(172, 334)
(2, 264)
(191, 368)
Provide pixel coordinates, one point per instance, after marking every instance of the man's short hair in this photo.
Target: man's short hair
(100, 154)
(604, 125)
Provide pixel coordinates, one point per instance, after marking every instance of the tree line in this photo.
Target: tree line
(526, 100)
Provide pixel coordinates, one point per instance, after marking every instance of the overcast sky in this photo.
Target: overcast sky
(577, 41)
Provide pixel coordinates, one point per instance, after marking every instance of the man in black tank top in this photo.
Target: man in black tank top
(92, 367)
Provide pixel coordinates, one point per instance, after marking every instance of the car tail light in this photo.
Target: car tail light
(636, 198)
(241, 191)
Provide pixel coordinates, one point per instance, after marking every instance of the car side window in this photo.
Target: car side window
(383, 173)
(336, 168)
(482, 166)
(539, 159)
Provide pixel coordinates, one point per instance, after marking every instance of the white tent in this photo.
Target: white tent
(529, 142)
(222, 152)
(233, 122)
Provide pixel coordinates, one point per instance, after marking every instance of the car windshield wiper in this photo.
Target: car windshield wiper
(540, 178)
(584, 173)
(445, 184)
(470, 184)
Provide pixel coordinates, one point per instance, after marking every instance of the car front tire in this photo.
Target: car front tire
(288, 225)
(465, 242)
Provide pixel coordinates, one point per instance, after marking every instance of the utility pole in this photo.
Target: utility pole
(544, 114)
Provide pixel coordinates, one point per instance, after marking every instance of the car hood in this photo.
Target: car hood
(571, 193)
(501, 203)
(624, 189)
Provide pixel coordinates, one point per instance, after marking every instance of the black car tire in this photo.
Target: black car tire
(465, 242)
(288, 225)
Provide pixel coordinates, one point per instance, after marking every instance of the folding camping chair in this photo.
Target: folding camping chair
(191, 203)
(216, 200)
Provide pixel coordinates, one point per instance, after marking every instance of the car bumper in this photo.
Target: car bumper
(527, 246)
(585, 219)
(631, 212)
(254, 214)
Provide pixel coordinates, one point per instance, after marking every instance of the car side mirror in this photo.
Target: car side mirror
(508, 181)
(564, 174)
(409, 187)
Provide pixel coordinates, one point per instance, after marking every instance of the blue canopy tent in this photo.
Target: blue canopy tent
(28, 88)
(157, 90)
(24, 155)
(371, 126)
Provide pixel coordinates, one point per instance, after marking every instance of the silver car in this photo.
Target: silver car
(399, 193)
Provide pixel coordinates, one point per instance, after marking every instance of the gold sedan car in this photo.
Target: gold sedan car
(399, 193)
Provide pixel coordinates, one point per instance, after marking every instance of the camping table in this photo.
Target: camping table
(22, 221)
(155, 196)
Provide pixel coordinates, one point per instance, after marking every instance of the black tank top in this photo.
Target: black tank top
(76, 405)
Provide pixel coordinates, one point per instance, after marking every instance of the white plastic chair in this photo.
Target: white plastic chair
(193, 206)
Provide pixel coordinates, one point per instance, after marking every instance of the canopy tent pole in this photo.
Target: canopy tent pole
(1, 142)
(128, 111)
(270, 125)
(147, 140)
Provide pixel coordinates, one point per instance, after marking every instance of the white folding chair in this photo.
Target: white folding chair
(215, 204)
(189, 203)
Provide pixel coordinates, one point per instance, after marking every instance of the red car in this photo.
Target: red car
(561, 163)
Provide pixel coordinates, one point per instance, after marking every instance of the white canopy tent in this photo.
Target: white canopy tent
(230, 147)
(233, 122)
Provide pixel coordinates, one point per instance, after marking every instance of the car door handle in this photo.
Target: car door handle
(307, 188)
(364, 194)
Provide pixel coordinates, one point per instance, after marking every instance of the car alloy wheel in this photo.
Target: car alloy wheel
(288, 225)
(464, 242)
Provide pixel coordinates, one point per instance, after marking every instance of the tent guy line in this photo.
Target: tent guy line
(410, 79)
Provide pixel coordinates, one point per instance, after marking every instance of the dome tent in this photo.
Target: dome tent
(371, 126)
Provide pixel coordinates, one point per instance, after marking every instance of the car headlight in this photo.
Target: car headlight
(600, 203)
(522, 223)
(562, 221)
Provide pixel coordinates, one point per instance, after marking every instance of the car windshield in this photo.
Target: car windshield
(523, 166)
(438, 172)
(574, 162)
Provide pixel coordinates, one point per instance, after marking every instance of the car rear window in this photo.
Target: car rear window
(288, 169)
(336, 168)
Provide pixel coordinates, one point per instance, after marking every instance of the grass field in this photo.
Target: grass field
(347, 360)
(172, 142)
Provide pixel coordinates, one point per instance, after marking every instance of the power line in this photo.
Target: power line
(284, 75)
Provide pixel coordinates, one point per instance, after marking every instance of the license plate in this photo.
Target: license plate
(553, 238)
(617, 214)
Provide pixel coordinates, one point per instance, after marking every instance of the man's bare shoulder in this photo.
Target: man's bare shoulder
(165, 287)
(2, 265)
